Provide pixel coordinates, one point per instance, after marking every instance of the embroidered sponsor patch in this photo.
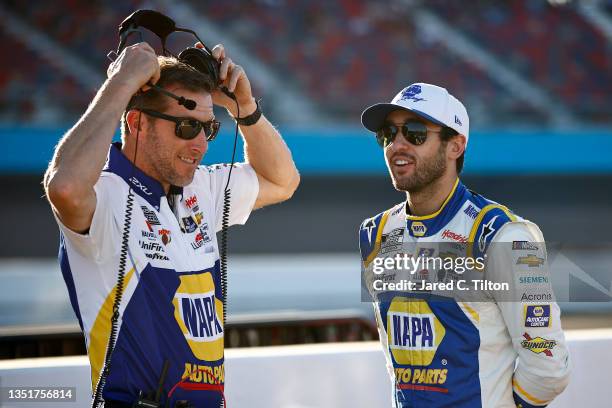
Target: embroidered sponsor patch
(524, 246)
(530, 260)
(538, 345)
(537, 315)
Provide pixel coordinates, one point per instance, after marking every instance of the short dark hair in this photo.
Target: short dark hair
(447, 134)
(172, 72)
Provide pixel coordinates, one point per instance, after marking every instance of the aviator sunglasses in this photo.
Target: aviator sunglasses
(188, 128)
(414, 131)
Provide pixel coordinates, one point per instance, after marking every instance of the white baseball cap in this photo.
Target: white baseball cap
(430, 102)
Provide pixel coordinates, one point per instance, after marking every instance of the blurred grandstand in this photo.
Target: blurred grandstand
(536, 78)
(525, 61)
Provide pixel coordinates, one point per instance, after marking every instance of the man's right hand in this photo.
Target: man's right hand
(135, 67)
(81, 154)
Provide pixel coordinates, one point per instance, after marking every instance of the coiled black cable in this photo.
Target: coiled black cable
(227, 194)
(125, 237)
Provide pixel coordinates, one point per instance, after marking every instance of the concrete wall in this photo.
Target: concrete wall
(328, 375)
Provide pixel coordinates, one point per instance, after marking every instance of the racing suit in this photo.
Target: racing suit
(171, 309)
(462, 351)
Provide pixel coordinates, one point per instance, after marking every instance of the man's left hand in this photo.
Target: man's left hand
(233, 78)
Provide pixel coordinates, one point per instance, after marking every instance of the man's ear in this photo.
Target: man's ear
(456, 146)
(135, 121)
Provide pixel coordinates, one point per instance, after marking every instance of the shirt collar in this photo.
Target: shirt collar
(427, 225)
(145, 186)
(457, 191)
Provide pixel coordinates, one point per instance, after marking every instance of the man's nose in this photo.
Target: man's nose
(400, 142)
(199, 143)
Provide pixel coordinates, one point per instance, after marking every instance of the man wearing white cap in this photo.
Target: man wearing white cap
(453, 332)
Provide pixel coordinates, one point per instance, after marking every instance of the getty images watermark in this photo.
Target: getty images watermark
(517, 271)
(419, 267)
(510, 271)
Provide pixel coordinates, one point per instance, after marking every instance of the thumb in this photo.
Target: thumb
(110, 69)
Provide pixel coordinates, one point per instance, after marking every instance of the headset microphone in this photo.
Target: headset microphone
(190, 104)
(187, 103)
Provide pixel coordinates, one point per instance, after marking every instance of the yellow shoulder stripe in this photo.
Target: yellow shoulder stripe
(478, 221)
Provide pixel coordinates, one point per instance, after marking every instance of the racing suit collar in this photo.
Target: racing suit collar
(452, 194)
(146, 187)
(427, 225)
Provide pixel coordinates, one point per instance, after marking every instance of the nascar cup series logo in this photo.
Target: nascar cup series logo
(414, 331)
(199, 315)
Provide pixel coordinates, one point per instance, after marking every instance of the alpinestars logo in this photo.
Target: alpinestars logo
(487, 230)
(369, 226)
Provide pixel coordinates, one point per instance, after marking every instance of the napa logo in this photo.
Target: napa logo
(414, 332)
(199, 315)
(418, 228)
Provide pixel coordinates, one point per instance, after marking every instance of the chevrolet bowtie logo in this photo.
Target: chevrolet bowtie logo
(530, 260)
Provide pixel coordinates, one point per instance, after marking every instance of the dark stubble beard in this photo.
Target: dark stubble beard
(162, 162)
(426, 172)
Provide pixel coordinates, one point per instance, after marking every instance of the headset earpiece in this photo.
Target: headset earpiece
(202, 60)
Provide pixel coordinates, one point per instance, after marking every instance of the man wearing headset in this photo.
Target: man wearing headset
(171, 311)
(445, 346)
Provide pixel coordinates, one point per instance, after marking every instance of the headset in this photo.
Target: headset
(202, 60)
(162, 26)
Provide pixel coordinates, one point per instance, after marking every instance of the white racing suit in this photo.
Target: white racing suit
(483, 347)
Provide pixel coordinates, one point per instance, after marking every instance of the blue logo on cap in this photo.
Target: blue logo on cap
(411, 93)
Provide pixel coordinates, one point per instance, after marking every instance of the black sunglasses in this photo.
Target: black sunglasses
(188, 128)
(414, 131)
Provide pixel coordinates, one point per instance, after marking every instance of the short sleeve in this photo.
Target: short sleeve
(101, 241)
(243, 190)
